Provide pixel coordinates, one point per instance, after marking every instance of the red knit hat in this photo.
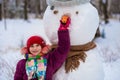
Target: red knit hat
(35, 39)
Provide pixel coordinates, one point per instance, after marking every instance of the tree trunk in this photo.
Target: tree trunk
(97, 33)
(44, 5)
(0, 11)
(38, 8)
(25, 10)
(4, 13)
(100, 7)
(16, 4)
(105, 12)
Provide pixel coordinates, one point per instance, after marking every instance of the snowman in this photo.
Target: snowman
(83, 61)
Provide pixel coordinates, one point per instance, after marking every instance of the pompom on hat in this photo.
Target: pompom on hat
(35, 39)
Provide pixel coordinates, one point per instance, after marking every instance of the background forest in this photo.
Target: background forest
(26, 9)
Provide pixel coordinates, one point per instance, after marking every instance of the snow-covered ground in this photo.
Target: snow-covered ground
(17, 31)
(109, 48)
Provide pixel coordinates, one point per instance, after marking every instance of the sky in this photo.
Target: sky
(17, 31)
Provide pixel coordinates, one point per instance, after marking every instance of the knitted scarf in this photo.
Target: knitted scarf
(76, 54)
(36, 67)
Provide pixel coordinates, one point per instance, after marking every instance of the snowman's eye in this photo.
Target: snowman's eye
(77, 12)
(52, 7)
(55, 12)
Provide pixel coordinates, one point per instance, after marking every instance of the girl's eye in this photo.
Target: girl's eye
(37, 45)
(31, 46)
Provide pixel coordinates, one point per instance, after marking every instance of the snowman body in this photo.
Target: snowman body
(84, 23)
(90, 70)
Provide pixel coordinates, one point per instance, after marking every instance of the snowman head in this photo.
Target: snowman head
(84, 21)
(65, 2)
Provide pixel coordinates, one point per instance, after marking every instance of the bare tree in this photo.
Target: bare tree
(0, 9)
(40, 7)
(37, 8)
(100, 6)
(16, 4)
(43, 6)
(105, 11)
(25, 9)
(4, 13)
(97, 33)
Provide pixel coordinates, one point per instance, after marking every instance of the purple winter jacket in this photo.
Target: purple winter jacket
(54, 58)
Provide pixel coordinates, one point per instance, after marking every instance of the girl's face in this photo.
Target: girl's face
(35, 49)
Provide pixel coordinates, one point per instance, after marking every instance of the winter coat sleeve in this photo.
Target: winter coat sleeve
(59, 55)
(19, 70)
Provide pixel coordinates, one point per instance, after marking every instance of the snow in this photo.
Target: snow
(14, 37)
(109, 48)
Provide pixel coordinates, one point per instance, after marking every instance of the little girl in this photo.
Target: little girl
(40, 65)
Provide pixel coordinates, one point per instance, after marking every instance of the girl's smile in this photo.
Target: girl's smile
(35, 49)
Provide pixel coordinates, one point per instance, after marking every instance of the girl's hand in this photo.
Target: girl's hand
(64, 22)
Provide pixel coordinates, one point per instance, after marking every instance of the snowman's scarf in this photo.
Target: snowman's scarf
(77, 54)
